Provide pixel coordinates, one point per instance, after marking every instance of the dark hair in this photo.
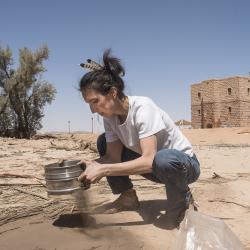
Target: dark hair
(102, 80)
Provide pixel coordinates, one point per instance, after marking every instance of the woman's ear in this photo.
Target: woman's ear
(113, 92)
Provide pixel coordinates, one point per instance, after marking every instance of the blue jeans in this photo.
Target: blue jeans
(171, 167)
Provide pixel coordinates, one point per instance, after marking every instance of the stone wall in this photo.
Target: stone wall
(202, 101)
(244, 90)
(221, 103)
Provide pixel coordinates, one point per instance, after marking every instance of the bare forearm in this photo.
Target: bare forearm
(141, 165)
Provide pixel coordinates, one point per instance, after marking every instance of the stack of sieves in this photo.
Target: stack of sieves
(61, 178)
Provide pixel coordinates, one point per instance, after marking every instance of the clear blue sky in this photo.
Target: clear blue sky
(165, 46)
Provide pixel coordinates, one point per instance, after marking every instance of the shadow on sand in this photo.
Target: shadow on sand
(149, 210)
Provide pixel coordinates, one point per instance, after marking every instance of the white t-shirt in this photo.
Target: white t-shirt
(144, 119)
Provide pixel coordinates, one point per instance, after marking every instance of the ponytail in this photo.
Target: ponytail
(112, 64)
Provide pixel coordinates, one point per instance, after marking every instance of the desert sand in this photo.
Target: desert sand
(32, 220)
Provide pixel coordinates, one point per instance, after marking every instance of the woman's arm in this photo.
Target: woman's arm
(141, 165)
(105, 166)
(93, 171)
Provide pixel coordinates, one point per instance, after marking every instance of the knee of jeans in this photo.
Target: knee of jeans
(101, 144)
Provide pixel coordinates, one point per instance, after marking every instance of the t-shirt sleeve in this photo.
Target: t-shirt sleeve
(109, 133)
(148, 119)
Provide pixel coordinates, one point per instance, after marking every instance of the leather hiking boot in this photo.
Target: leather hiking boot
(171, 219)
(174, 216)
(127, 201)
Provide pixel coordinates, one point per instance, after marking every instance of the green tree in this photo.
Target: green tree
(23, 92)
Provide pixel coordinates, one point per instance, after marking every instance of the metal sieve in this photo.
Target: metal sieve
(61, 178)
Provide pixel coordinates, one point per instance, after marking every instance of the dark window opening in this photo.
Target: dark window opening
(248, 91)
(229, 109)
(199, 95)
(229, 91)
(209, 125)
(199, 111)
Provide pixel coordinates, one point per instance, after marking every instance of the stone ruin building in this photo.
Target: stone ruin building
(221, 103)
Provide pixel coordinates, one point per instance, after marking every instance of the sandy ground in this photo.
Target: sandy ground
(30, 220)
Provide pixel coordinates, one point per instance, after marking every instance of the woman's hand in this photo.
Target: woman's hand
(92, 173)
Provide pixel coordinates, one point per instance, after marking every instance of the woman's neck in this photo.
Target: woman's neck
(123, 110)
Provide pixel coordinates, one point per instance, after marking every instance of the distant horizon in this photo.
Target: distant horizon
(101, 130)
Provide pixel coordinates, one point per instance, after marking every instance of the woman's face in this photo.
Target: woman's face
(98, 103)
